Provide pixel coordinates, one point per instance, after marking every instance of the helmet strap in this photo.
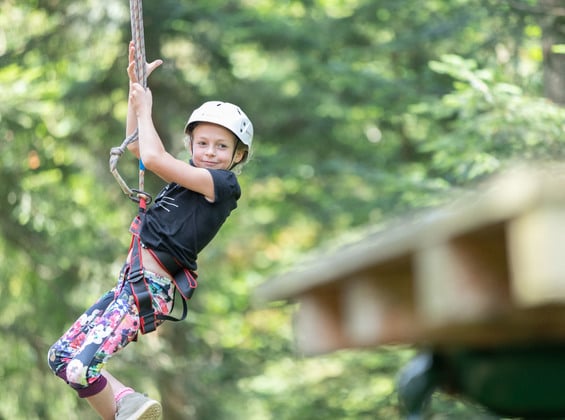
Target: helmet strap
(233, 163)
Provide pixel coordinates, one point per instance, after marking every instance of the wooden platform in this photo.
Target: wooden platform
(485, 270)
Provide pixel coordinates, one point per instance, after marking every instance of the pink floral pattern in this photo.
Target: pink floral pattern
(105, 328)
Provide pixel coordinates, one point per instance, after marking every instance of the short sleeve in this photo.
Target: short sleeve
(226, 186)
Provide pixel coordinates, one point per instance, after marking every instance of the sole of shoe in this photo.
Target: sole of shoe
(151, 410)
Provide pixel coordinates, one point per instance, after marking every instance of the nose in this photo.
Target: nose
(210, 150)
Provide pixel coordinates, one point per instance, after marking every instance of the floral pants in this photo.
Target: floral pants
(104, 329)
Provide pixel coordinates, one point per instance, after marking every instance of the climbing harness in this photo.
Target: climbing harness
(183, 278)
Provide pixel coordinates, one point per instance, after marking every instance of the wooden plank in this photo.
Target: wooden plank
(318, 322)
(463, 279)
(504, 198)
(537, 324)
(378, 308)
(486, 269)
(375, 249)
(537, 251)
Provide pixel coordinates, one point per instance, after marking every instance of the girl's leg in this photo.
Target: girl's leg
(103, 403)
(112, 331)
(79, 355)
(66, 348)
(118, 388)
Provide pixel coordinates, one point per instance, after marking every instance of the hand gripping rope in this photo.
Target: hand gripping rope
(183, 279)
(138, 195)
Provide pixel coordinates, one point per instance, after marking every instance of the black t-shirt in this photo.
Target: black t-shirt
(182, 222)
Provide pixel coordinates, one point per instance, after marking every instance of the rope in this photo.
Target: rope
(136, 12)
(136, 18)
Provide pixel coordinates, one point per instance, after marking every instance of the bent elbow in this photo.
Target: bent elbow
(134, 149)
(150, 160)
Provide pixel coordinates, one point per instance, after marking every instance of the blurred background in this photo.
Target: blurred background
(364, 110)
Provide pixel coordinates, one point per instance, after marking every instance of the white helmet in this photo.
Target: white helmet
(225, 114)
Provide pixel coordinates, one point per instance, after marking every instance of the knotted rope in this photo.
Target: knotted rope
(136, 18)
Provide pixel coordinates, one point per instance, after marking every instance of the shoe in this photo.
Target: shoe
(137, 406)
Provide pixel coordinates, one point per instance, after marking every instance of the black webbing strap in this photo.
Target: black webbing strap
(184, 279)
(136, 279)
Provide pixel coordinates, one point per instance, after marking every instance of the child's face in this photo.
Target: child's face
(213, 147)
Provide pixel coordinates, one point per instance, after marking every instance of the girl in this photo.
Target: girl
(185, 217)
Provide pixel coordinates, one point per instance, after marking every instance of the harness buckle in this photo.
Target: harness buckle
(147, 323)
(136, 195)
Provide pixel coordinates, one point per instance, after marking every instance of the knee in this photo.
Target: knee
(64, 365)
(77, 373)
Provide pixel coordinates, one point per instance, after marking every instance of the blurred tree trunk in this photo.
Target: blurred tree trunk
(553, 25)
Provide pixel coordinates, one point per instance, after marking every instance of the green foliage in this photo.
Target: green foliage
(363, 110)
(483, 124)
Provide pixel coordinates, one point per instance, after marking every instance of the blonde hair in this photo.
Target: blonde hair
(241, 146)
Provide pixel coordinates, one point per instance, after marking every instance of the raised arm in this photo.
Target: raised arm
(154, 156)
(131, 121)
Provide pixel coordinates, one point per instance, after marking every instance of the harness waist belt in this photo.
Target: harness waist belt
(168, 261)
